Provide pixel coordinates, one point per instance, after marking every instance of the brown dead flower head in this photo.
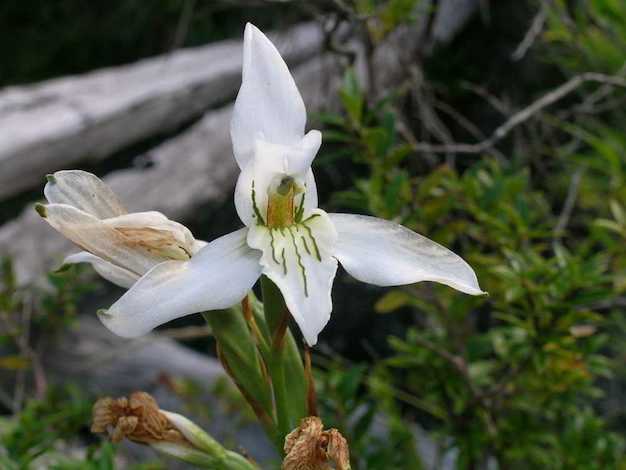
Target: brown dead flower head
(137, 418)
(309, 447)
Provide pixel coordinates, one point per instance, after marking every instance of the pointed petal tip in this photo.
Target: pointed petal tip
(469, 288)
(61, 269)
(103, 314)
(249, 34)
(312, 140)
(41, 209)
(310, 340)
(477, 291)
(254, 38)
(109, 321)
(106, 318)
(473, 288)
(251, 30)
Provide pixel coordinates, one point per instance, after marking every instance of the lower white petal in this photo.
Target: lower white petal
(387, 254)
(117, 275)
(299, 260)
(217, 277)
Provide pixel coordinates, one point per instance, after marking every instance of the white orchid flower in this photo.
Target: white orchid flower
(276, 198)
(286, 237)
(159, 260)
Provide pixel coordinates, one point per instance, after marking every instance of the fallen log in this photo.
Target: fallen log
(50, 125)
(192, 169)
(197, 167)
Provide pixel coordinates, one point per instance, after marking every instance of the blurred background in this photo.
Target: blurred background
(493, 127)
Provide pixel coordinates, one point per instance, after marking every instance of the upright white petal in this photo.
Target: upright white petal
(387, 254)
(84, 191)
(116, 274)
(269, 105)
(310, 193)
(298, 259)
(217, 277)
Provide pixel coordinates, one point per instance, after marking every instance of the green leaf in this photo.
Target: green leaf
(352, 98)
(14, 362)
(393, 300)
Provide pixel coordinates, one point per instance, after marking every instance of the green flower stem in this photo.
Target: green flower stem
(234, 461)
(283, 361)
(277, 372)
(228, 460)
(255, 342)
(240, 357)
(274, 305)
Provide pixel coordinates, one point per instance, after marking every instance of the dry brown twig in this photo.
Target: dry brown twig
(568, 206)
(590, 103)
(536, 27)
(182, 28)
(496, 103)
(522, 116)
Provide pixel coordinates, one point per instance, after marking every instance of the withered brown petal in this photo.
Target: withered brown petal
(309, 447)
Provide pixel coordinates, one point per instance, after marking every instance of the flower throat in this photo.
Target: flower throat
(280, 204)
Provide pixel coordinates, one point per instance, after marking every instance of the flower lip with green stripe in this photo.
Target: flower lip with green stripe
(286, 236)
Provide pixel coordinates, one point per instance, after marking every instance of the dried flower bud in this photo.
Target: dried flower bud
(140, 419)
(137, 418)
(309, 447)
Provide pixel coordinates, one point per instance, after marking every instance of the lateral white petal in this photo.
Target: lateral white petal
(217, 277)
(299, 261)
(302, 156)
(310, 193)
(85, 191)
(244, 196)
(117, 275)
(269, 105)
(387, 254)
(99, 238)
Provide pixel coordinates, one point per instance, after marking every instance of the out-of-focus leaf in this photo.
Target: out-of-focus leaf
(393, 300)
(14, 362)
